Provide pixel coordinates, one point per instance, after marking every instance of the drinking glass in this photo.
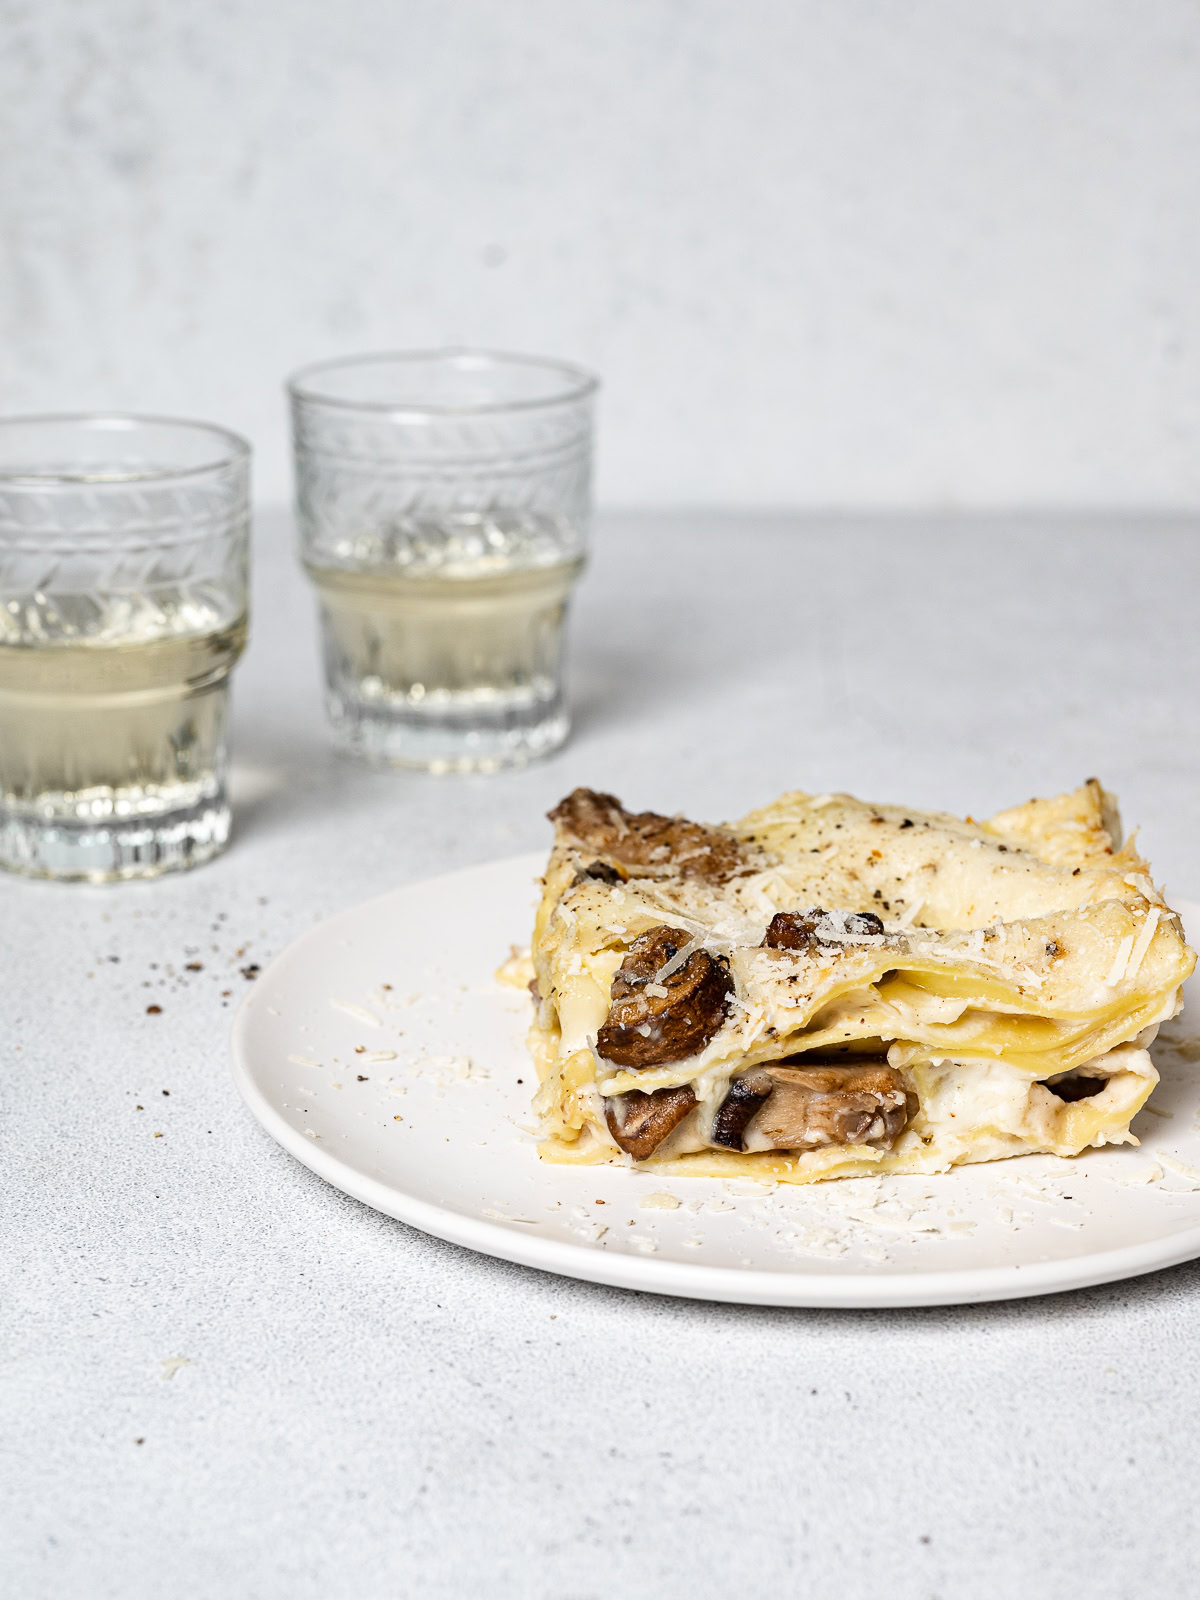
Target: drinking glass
(443, 501)
(123, 601)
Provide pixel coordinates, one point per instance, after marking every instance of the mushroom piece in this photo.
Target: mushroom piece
(599, 872)
(656, 1014)
(746, 1095)
(811, 1107)
(645, 840)
(805, 930)
(793, 930)
(639, 1122)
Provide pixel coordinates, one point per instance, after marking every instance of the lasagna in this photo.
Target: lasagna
(830, 988)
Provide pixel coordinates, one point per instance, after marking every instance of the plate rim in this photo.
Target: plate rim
(806, 1288)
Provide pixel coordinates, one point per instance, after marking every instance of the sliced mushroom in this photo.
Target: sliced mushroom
(811, 1107)
(805, 930)
(645, 840)
(793, 930)
(746, 1095)
(658, 1015)
(639, 1122)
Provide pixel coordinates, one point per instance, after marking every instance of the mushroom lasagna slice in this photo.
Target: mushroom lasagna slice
(829, 988)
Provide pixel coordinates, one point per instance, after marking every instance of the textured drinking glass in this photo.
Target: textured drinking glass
(444, 501)
(123, 568)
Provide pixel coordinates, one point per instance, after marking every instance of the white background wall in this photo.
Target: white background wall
(824, 252)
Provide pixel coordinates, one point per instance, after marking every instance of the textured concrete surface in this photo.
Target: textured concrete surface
(365, 1412)
(866, 254)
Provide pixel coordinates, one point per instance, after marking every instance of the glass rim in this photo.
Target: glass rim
(578, 383)
(237, 449)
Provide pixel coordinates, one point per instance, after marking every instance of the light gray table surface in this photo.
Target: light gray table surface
(369, 1412)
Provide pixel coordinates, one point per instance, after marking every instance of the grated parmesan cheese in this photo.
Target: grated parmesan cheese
(1143, 942)
(678, 960)
(359, 1013)
(1150, 1174)
(1181, 1168)
(1120, 962)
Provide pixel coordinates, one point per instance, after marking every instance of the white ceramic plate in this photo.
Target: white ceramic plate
(380, 1051)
